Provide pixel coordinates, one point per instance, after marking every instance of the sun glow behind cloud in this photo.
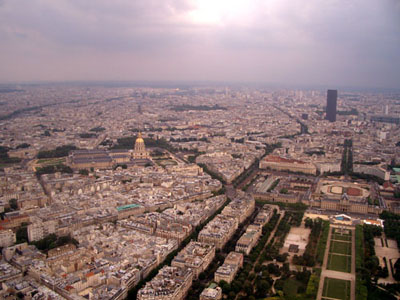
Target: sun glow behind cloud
(221, 12)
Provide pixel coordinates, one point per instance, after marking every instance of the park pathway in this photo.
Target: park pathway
(353, 265)
(324, 264)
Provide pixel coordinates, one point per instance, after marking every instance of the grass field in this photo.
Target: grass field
(336, 289)
(341, 263)
(340, 237)
(166, 162)
(338, 231)
(50, 161)
(340, 247)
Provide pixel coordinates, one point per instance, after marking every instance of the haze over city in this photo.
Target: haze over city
(281, 42)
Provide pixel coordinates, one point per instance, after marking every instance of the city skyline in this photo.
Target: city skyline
(130, 192)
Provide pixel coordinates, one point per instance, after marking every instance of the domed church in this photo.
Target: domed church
(139, 151)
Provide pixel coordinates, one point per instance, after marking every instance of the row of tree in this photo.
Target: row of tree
(53, 241)
(5, 159)
(368, 269)
(347, 157)
(391, 225)
(309, 257)
(246, 282)
(58, 152)
(53, 169)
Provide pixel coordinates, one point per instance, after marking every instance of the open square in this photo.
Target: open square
(341, 231)
(297, 236)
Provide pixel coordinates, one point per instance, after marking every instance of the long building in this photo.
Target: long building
(103, 159)
(278, 163)
(372, 170)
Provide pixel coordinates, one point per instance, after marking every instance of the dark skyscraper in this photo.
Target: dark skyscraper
(331, 105)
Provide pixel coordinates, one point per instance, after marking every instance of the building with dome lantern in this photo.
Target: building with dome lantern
(139, 151)
(106, 159)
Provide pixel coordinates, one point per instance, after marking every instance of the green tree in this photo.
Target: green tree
(262, 288)
(13, 204)
(84, 172)
(22, 235)
(248, 288)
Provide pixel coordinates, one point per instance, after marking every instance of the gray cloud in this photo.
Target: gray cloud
(335, 42)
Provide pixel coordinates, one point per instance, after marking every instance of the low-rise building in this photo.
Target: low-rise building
(7, 238)
(240, 208)
(265, 214)
(38, 230)
(249, 239)
(227, 272)
(218, 231)
(128, 210)
(171, 283)
(196, 256)
(213, 292)
(8, 272)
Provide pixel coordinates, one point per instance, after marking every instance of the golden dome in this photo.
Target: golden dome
(139, 151)
(139, 138)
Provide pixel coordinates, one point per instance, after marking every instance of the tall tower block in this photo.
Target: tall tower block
(331, 103)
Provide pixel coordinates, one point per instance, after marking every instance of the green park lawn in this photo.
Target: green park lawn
(340, 237)
(336, 288)
(340, 247)
(341, 263)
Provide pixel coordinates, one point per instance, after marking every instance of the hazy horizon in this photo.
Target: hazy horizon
(332, 44)
(171, 84)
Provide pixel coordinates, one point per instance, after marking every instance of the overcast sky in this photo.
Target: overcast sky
(291, 42)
